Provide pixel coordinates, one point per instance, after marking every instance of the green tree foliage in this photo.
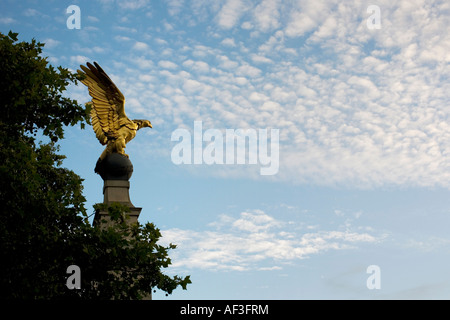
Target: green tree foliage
(43, 221)
(131, 258)
(31, 91)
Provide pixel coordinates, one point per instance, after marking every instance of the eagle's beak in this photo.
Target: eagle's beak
(150, 125)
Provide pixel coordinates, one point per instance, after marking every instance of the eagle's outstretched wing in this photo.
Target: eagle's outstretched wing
(107, 113)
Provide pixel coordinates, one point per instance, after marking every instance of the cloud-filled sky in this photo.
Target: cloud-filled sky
(364, 136)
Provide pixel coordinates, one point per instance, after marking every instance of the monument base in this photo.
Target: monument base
(115, 170)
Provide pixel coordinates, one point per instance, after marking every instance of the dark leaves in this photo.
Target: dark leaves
(44, 227)
(31, 90)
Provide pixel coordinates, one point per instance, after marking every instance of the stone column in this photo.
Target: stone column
(116, 171)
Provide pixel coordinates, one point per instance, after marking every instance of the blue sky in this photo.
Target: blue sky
(364, 137)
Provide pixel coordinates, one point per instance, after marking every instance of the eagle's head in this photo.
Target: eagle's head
(143, 124)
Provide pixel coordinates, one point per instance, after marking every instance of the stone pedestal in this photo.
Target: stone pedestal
(116, 170)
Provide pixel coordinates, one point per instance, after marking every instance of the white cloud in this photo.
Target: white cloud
(254, 221)
(79, 59)
(230, 13)
(227, 63)
(353, 106)
(167, 64)
(247, 25)
(30, 12)
(198, 66)
(309, 16)
(133, 4)
(53, 60)
(267, 15)
(134, 105)
(255, 240)
(428, 244)
(7, 20)
(175, 6)
(248, 70)
(260, 59)
(125, 29)
(229, 42)
(146, 78)
(140, 46)
(121, 38)
(92, 19)
(142, 63)
(51, 43)
(161, 41)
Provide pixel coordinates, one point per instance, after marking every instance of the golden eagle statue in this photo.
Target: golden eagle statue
(111, 125)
